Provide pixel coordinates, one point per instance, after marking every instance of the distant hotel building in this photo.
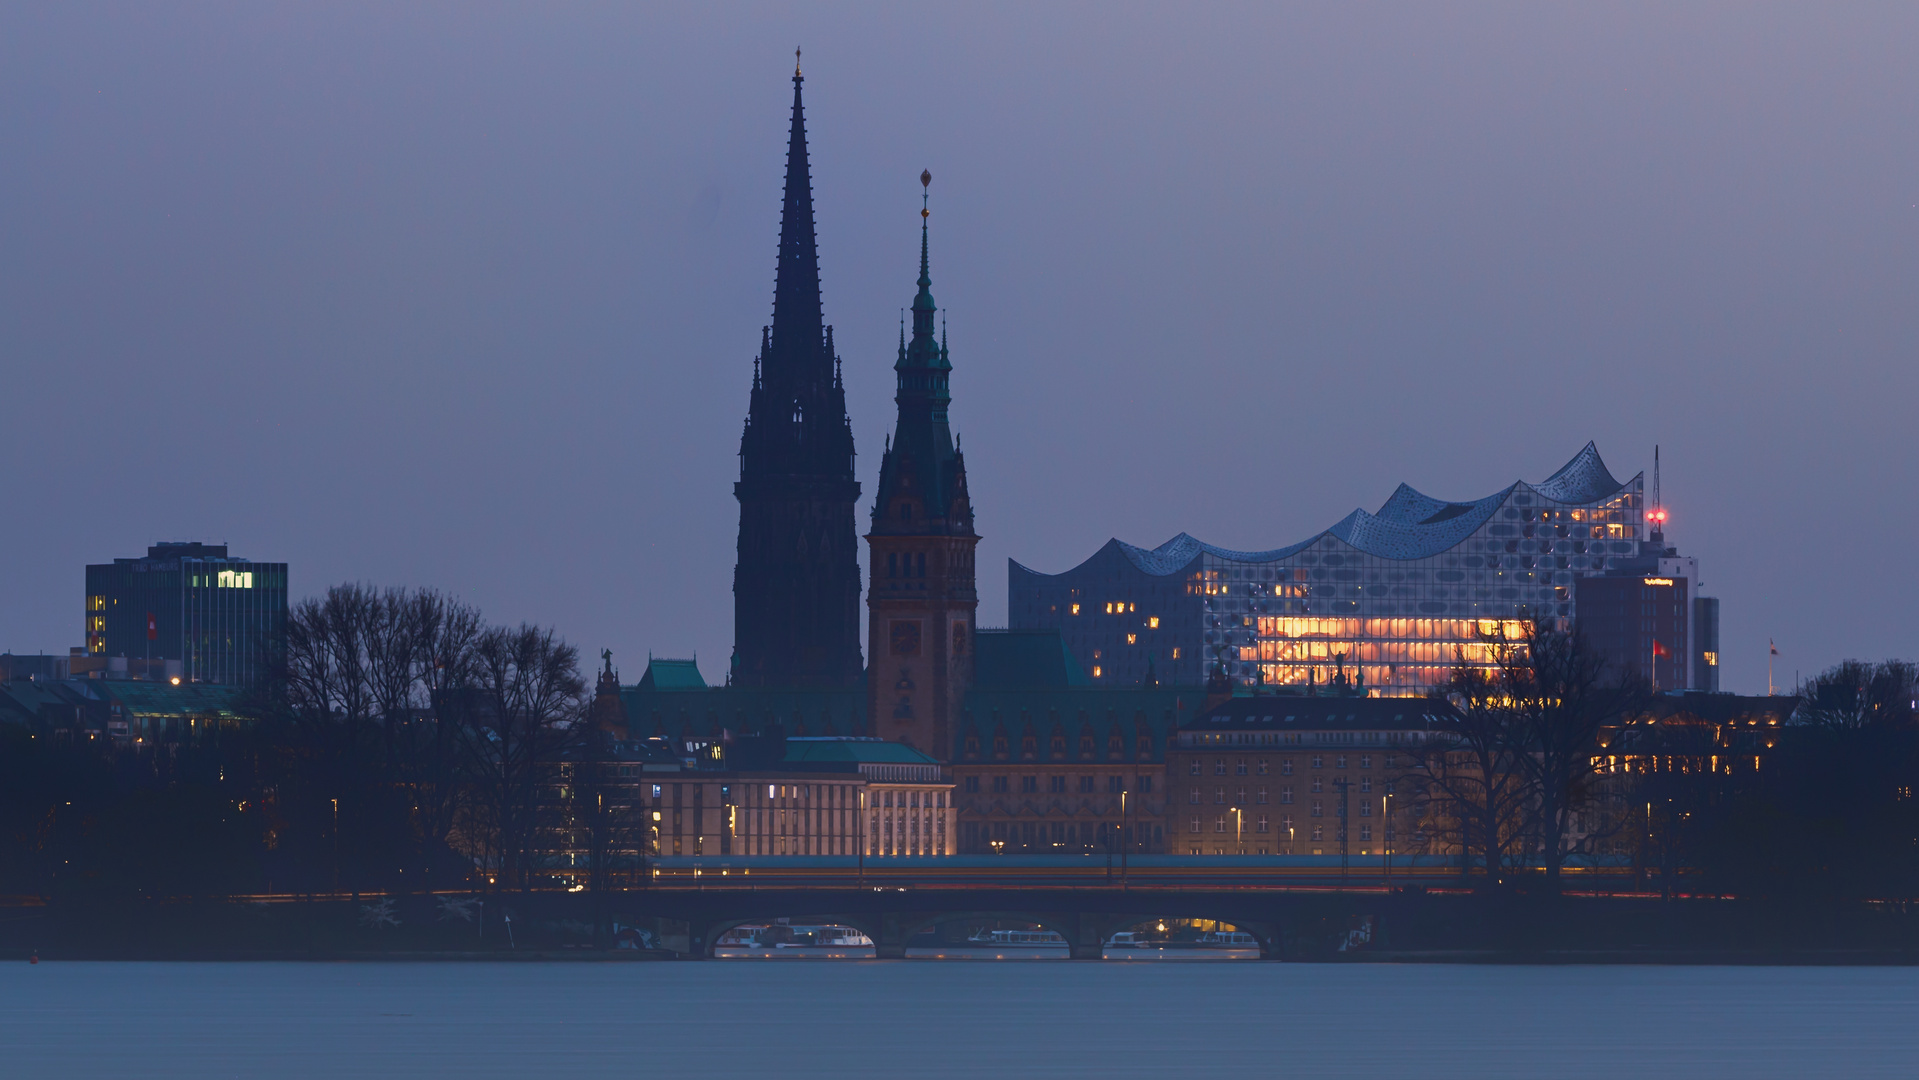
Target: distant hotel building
(223, 619)
(1393, 600)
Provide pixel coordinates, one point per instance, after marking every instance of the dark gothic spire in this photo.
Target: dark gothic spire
(796, 587)
(797, 323)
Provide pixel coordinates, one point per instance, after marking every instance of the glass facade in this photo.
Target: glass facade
(1392, 600)
(224, 619)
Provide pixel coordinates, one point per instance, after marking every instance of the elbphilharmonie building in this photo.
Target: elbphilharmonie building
(1389, 602)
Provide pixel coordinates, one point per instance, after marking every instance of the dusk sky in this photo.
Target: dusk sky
(467, 295)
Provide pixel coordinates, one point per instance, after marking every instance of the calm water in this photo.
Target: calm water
(930, 1019)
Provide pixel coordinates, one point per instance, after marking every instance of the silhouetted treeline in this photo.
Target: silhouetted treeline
(405, 746)
(1830, 814)
(1549, 756)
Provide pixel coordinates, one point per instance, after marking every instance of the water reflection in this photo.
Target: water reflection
(582, 1021)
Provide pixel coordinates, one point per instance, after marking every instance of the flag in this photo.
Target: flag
(1774, 648)
(153, 628)
(1659, 650)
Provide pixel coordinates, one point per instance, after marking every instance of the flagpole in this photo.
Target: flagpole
(1771, 651)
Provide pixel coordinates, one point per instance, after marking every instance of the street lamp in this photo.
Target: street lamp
(1239, 829)
(1125, 838)
(1386, 811)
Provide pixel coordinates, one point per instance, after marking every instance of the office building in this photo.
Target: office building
(223, 619)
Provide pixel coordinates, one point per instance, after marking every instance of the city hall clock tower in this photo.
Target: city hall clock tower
(921, 600)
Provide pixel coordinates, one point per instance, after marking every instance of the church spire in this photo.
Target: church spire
(796, 584)
(797, 322)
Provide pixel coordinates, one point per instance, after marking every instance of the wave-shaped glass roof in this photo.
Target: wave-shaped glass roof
(1410, 525)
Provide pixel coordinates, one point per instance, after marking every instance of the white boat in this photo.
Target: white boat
(826, 936)
(1235, 938)
(1018, 939)
(1127, 939)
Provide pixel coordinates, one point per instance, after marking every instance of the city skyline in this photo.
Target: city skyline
(557, 365)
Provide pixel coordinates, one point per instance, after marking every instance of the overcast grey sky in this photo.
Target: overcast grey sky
(467, 295)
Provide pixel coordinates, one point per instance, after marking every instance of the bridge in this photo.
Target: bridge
(1284, 923)
(1292, 906)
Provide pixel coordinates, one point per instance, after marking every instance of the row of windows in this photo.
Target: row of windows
(1261, 766)
(1085, 785)
(1227, 823)
(1193, 795)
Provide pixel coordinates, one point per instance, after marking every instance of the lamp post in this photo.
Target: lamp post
(1386, 812)
(859, 831)
(1125, 838)
(1239, 830)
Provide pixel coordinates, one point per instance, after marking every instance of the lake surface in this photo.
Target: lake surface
(914, 1019)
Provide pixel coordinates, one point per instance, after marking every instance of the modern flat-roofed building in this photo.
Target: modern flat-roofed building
(1395, 598)
(223, 618)
(1642, 623)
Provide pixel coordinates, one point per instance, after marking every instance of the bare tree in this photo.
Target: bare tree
(1513, 774)
(445, 635)
(363, 670)
(525, 696)
(334, 711)
(602, 823)
(1564, 695)
(1854, 695)
(1473, 792)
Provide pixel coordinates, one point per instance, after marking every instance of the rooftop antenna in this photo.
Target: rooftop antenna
(1658, 514)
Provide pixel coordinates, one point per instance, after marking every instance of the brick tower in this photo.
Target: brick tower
(921, 601)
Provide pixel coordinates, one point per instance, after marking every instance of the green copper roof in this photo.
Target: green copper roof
(1024, 660)
(164, 699)
(863, 750)
(663, 674)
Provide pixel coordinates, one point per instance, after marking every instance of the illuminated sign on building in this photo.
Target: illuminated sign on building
(1658, 581)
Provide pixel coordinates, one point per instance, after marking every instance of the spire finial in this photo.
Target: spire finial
(796, 61)
(926, 186)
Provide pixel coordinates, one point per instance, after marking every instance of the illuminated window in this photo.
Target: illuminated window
(1175, 652)
(1712, 659)
(1076, 609)
(1152, 622)
(1095, 671)
(1132, 639)
(235, 579)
